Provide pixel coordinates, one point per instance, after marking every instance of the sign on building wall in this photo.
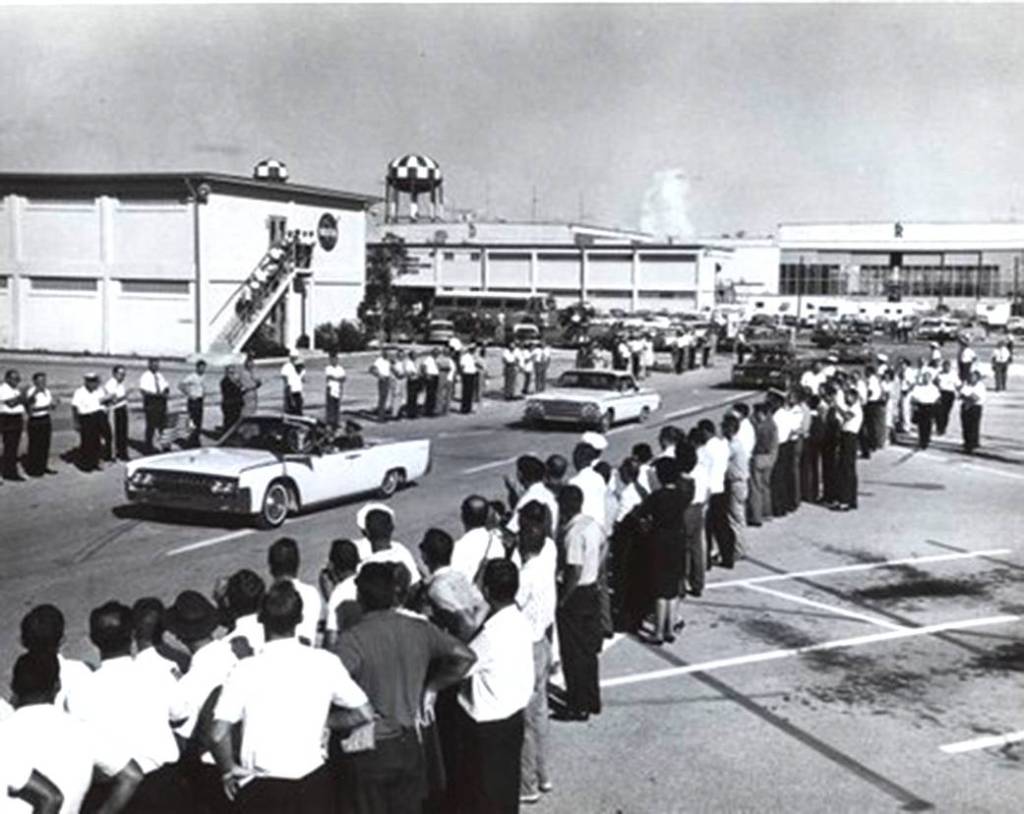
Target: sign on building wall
(327, 231)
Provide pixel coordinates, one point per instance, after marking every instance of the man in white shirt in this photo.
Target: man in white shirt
(746, 433)
(590, 482)
(283, 563)
(282, 698)
(137, 706)
(536, 599)
(811, 380)
(972, 400)
(579, 606)
(381, 371)
(851, 416)
(193, 388)
(430, 376)
(42, 631)
(781, 486)
(240, 598)
(334, 376)
(530, 473)
(541, 363)
(293, 374)
(716, 519)
(155, 392)
(39, 403)
(1001, 357)
(737, 476)
(469, 374)
(411, 370)
(151, 649)
(524, 360)
(966, 358)
(117, 403)
(193, 619)
(478, 544)
(492, 700)
(88, 404)
(509, 369)
(12, 422)
(380, 526)
(63, 749)
(344, 565)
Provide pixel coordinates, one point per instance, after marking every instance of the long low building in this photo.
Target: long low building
(155, 262)
(610, 268)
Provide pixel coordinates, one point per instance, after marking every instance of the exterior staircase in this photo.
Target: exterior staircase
(251, 303)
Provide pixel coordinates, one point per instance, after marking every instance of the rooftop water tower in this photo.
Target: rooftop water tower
(413, 175)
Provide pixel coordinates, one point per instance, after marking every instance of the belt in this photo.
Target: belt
(44, 414)
(119, 404)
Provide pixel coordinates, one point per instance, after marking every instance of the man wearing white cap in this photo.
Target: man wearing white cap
(87, 405)
(595, 440)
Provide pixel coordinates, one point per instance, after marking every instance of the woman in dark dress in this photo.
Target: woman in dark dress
(662, 517)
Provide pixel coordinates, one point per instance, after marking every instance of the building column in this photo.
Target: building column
(584, 274)
(533, 272)
(14, 293)
(634, 281)
(483, 268)
(105, 208)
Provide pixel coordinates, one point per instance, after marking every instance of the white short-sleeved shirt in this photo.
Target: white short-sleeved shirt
(15, 771)
(467, 363)
(974, 393)
(63, 749)
(335, 376)
(344, 591)
(629, 499)
(855, 420)
(293, 377)
(583, 540)
(136, 705)
(7, 392)
(471, 548)
(428, 366)
(73, 675)
(718, 462)
(312, 607)
(87, 402)
(153, 384)
(151, 658)
(249, 628)
(210, 666)
(593, 487)
(118, 391)
(396, 552)
(544, 496)
(537, 596)
(501, 681)
(381, 368)
(282, 696)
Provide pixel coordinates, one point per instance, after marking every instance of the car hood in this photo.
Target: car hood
(574, 394)
(224, 461)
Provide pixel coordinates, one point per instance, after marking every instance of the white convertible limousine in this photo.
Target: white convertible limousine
(594, 398)
(269, 465)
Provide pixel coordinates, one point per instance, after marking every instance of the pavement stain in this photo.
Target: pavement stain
(776, 632)
(923, 587)
(1009, 657)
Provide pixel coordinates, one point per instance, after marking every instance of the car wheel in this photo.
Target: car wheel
(607, 420)
(393, 481)
(276, 503)
(645, 414)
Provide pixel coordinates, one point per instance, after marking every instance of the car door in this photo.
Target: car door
(628, 403)
(334, 474)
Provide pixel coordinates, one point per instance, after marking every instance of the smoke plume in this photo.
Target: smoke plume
(665, 208)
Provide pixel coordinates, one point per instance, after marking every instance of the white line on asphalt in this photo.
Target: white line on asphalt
(864, 566)
(993, 471)
(863, 617)
(699, 408)
(773, 655)
(491, 465)
(234, 535)
(982, 743)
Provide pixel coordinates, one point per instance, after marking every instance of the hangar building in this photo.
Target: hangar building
(156, 262)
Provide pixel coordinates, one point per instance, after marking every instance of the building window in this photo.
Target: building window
(449, 256)
(172, 287)
(3, 283)
(474, 257)
(64, 284)
(276, 227)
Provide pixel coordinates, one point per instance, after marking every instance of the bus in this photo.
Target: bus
(492, 315)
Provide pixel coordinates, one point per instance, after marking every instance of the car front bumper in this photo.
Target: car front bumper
(238, 503)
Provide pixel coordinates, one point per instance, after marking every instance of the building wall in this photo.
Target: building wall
(234, 235)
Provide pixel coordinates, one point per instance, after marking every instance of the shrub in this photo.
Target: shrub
(344, 337)
(262, 344)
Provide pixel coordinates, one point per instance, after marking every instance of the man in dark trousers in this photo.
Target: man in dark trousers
(579, 606)
(12, 421)
(232, 396)
(193, 387)
(88, 408)
(39, 402)
(402, 662)
(117, 394)
(155, 392)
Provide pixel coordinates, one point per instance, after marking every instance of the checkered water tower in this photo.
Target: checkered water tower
(413, 175)
(270, 169)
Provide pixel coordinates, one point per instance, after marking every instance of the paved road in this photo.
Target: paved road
(813, 691)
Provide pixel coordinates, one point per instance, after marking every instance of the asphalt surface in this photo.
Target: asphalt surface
(833, 690)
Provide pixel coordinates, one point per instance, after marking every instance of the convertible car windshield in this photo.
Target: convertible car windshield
(281, 437)
(594, 380)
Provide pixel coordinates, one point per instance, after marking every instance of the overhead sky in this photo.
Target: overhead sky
(705, 119)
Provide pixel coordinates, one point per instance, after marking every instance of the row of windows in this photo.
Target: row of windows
(89, 284)
(923, 281)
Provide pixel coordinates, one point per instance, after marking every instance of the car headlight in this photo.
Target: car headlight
(141, 478)
(223, 486)
(534, 406)
(591, 410)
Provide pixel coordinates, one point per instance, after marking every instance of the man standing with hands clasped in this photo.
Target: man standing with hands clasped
(193, 387)
(334, 374)
(155, 392)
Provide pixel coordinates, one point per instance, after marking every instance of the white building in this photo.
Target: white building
(153, 263)
(610, 268)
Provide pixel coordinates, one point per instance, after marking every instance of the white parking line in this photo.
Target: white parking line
(991, 470)
(483, 467)
(864, 566)
(863, 617)
(234, 535)
(773, 655)
(982, 743)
